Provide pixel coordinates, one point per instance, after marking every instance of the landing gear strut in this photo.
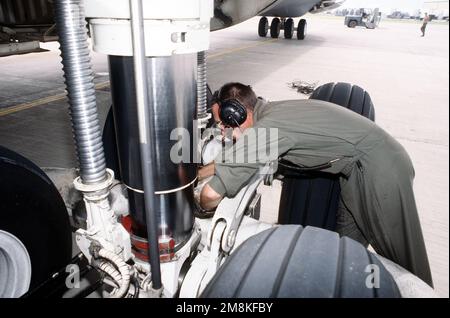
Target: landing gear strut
(278, 24)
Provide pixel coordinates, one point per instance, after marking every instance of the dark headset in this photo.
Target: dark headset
(232, 113)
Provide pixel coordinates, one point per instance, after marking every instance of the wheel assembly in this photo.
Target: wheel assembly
(288, 28)
(299, 262)
(34, 225)
(15, 266)
(275, 28)
(352, 24)
(347, 95)
(263, 27)
(301, 29)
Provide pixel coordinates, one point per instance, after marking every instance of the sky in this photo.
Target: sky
(385, 5)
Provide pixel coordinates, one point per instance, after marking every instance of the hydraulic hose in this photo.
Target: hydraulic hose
(202, 105)
(122, 268)
(79, 80)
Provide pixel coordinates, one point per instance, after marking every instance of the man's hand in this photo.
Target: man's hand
(209, 199)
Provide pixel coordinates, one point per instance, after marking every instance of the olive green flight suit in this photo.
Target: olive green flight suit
(376, 173)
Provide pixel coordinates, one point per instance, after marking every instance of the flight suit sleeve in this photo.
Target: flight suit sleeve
(238, 164)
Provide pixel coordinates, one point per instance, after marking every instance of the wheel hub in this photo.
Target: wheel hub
(15, 266)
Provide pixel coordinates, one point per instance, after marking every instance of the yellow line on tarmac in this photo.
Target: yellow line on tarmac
(241, 48)
(37, 102)
(57, 97)
(41, 101)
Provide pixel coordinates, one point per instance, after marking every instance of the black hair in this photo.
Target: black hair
(243, 93)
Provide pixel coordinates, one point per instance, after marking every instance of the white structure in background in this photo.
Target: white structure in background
(438, 8)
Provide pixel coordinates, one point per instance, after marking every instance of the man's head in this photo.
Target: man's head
(236, 104)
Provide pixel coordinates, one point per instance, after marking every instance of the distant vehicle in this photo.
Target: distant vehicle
(369, 18)
(399, 15)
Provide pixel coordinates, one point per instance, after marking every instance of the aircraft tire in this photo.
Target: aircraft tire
(275, 27)
(263, 27)
(352, 24)
(32, 209)
(288, 28)
(294, 262)
(301, 29)
(346, 95)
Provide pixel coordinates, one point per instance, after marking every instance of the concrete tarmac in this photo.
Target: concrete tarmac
(406, 75)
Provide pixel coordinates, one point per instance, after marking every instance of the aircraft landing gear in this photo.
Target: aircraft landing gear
(279, 24)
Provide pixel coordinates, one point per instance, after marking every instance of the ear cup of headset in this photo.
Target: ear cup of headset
(232, 113)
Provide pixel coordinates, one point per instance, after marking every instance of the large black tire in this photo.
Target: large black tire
(275, 27)
(288, 28)
(352, 24)
(263, 27)
(301, 29)
(32, 209)
(296, 262)
(347, 95)
(313, 199)
(310, 200)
